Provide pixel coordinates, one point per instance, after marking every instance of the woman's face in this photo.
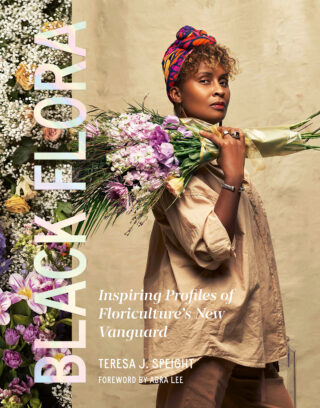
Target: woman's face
(206, 94)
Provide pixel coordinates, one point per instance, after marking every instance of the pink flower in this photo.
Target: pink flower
(12, 358)
(5, 303)
(20, 327)
(26, 288)
(171, 122)
(20, 387)
(51, 134)
(11, 337)
(43, 335)
(30, 333)
(92, 130)
(38, 320)
(117, 191)
(58, 354)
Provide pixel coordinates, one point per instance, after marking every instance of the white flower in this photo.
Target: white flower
(24, 183)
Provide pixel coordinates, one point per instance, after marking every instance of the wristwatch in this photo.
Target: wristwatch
(231, 188)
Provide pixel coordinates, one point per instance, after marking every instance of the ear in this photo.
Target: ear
(175, 94)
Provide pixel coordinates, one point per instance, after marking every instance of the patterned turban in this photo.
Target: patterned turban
(187, 39)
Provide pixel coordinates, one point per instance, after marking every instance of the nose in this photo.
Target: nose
(218, 89)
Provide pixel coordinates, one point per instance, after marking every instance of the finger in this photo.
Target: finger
(210, 135)
(225, 132)
(241, 134)
(222, 130)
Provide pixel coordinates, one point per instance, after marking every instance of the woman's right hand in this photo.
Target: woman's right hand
(232, 153)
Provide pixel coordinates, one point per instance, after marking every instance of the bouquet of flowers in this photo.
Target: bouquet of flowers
(132, 157)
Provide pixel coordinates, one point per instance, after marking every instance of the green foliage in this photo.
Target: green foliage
(13, 96)
(3, 344)
(31, 369)
(21, 319)
(21, 308)
(35, 403)
(23, 152)
(12, 80)
(66, 321)
(62, 212)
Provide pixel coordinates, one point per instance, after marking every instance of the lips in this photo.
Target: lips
(218, 105)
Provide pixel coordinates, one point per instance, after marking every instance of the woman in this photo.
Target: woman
(212, 260)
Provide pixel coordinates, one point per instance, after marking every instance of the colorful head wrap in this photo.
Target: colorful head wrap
(187, 39)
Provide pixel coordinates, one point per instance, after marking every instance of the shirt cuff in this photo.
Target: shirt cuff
(217, 239)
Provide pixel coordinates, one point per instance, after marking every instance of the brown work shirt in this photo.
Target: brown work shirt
(225, 295)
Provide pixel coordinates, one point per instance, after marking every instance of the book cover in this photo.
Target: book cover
(59, 62)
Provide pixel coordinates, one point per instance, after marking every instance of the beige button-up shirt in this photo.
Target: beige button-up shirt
(224, 297)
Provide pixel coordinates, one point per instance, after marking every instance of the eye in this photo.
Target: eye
(204, 81)
(224, 82)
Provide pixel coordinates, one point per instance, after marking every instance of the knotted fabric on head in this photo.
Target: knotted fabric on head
(187, 39)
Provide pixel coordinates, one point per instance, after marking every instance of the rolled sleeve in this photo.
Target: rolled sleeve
(217, 239)
(198, 229)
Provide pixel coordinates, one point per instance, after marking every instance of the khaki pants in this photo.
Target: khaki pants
(216, 383)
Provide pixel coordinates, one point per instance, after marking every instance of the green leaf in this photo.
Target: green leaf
(2, 330)
(21, 308)
(25, 398)
(21, 319)
(12, 96)
(194, 156)
(1, 367)
(62, 212)
(22, 154)
(66, 321)
(12, 80)
(31, 369)
(35, 403)
(62, 148)
(3, 344)
(23, 364)
(13, 373)
(65, 207)
(26, 141)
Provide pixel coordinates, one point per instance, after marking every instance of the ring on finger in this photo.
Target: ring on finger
(225, 132)
(235, 135)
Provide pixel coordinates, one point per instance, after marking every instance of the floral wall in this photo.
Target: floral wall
(22, 321)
